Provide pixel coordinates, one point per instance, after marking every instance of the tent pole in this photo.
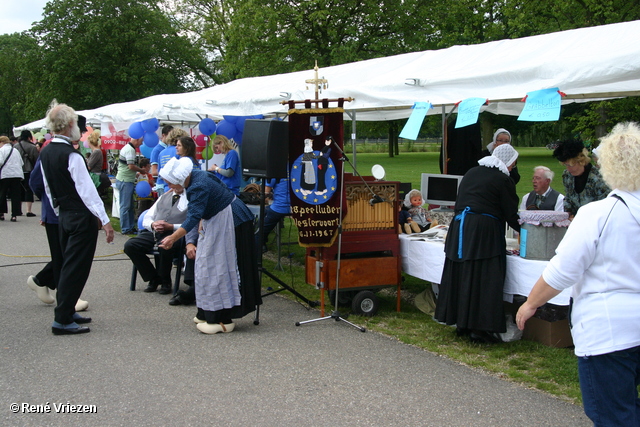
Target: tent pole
(445, 137)
(444, 140)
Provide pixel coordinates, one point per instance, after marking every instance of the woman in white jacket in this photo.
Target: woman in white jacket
(600, 257)
(10, 177)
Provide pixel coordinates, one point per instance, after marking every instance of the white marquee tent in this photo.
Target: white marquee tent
(586, 64)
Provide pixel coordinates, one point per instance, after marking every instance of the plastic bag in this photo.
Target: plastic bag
(513, 333)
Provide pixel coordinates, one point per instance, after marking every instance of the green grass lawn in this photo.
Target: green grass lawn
(553, 370)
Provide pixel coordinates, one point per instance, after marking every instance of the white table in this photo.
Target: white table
(425, 260)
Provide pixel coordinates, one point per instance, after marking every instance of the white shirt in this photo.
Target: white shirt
(84, 184)
(600, 257)
(559, 207)
(13, 167)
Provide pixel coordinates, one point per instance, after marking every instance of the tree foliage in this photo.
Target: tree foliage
(98, 53)
(20, 72)
(91, 54)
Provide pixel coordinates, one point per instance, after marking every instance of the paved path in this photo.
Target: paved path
(144, 363)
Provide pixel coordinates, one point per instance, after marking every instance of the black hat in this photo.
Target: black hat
(568, 149)
(82, 123)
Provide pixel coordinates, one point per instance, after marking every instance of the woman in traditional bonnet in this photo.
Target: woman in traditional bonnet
(226, 224)
(582, 182)
(502, 136)
(476, 264)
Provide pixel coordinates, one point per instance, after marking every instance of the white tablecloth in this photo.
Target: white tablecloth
(425, 260)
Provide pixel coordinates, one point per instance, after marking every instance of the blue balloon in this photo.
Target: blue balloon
(143, 189)
(226, 128)
(207, 126)
(135, 130)
(141, 218)
(146, 150)
(151, 139)
(238, 138)
(240, 124)
(231, 119)
(150, 125)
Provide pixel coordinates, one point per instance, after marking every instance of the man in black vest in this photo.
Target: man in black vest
(80, 211)
(165, 216)
(543, 197)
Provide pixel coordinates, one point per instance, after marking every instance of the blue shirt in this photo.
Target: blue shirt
(231, 161)
(164, 157)
(36, 183)
(155, 159)
(280, 188)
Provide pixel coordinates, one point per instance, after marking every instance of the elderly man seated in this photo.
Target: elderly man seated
(165, 216)
(543, 197)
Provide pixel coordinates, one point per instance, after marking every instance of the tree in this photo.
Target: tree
(277, 36)
(207, 23)
(99, 53)
(20, 73)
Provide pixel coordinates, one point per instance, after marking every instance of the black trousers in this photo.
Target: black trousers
(25, 191)
(78, 239)
(10, 187)
(137, 249)
(50, 275)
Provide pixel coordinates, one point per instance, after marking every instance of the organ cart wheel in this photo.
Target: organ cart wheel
(365, 303)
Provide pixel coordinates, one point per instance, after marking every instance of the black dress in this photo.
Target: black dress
(472, 285)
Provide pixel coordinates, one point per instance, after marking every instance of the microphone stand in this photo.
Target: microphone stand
(376, 199)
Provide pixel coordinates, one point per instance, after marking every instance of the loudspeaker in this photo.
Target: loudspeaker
(265, 148)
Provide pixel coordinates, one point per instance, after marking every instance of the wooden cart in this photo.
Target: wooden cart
(370, 249)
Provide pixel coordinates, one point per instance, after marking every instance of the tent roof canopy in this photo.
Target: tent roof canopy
(586, 64)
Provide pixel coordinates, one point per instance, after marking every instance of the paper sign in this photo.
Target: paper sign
(523, 242)
(541, 106)
(468, 111)
(411, 129)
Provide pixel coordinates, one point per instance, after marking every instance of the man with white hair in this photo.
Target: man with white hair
(543, 197)
(80, 211)
(163, 218)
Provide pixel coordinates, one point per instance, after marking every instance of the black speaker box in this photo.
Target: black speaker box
(265, 148)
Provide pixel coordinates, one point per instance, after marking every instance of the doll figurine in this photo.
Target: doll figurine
(419, 219)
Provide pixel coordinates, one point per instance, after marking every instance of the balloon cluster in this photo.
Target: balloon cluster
(146, 129)
(231, 126)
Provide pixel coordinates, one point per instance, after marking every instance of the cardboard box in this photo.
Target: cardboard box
(552, 334)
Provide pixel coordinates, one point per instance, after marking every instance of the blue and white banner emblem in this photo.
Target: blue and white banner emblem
(316, 125)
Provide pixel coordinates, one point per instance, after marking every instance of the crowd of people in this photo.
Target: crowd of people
(198, 214)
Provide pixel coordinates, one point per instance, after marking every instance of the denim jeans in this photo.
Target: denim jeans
(609, 387)
(127, 218)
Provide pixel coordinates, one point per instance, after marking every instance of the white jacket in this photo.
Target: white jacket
(601, 255)
(13, 168)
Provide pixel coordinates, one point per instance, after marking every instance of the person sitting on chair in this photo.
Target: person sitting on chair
(165, 216)
(543, 197)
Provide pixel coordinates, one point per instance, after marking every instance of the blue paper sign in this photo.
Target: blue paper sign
(523, 242)
(541, 106)
(412, 127)
(468, 111)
